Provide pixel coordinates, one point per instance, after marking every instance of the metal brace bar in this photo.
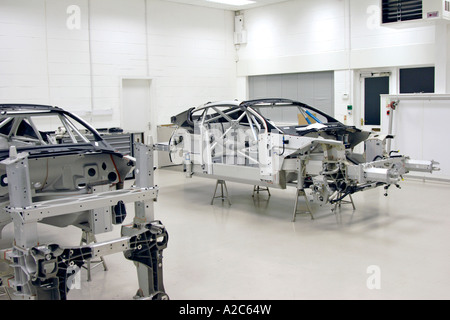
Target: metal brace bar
(50, 208)
(104, 248)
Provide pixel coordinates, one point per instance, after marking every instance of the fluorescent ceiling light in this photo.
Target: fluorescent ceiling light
(233, 2)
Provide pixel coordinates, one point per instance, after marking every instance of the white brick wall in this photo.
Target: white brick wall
(191, 53)
(23, 56)
(187, 50)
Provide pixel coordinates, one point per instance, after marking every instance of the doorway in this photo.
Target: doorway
(136, 115)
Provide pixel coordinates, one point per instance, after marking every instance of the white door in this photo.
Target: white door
(136, 106)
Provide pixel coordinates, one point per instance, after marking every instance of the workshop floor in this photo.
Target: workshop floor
(395, 247)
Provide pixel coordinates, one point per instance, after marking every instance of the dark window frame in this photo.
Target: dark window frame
(417, 80)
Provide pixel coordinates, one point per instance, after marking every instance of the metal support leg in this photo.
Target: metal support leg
(301, 192)
(257, 189)
(86, 239)
(300, 166)
(144, 212)
(146, 252)
(223, 186)
(25, 232)
(19, 189)
(147, 246)
(338, 203)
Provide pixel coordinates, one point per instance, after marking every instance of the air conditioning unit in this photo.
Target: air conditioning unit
(404, 13)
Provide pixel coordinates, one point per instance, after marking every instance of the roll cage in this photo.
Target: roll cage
(248, 113)
(32, 128)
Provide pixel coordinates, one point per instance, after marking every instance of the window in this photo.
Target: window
(417, 80)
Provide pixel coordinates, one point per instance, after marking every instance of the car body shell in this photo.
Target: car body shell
(280, 142)
(70, 159)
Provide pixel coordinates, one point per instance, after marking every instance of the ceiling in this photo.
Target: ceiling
(211, 4)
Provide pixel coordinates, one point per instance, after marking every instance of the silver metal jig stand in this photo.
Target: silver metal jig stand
(40, 270)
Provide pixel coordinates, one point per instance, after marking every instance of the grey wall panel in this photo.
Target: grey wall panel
(257, 87)
(289, 86)
(274, 85)
(324, 91)
(315, 89)
(306, 88)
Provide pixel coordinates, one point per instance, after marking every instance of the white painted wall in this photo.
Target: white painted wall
(373, 45)
(304, 36)
(23, 52)
(340, 35)
(50, 54)
(118, 49)
(191, 54)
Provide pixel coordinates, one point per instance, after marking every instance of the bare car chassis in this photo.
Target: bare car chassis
(281, 142)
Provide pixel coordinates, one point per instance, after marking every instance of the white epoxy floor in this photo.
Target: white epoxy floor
(252, 250)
